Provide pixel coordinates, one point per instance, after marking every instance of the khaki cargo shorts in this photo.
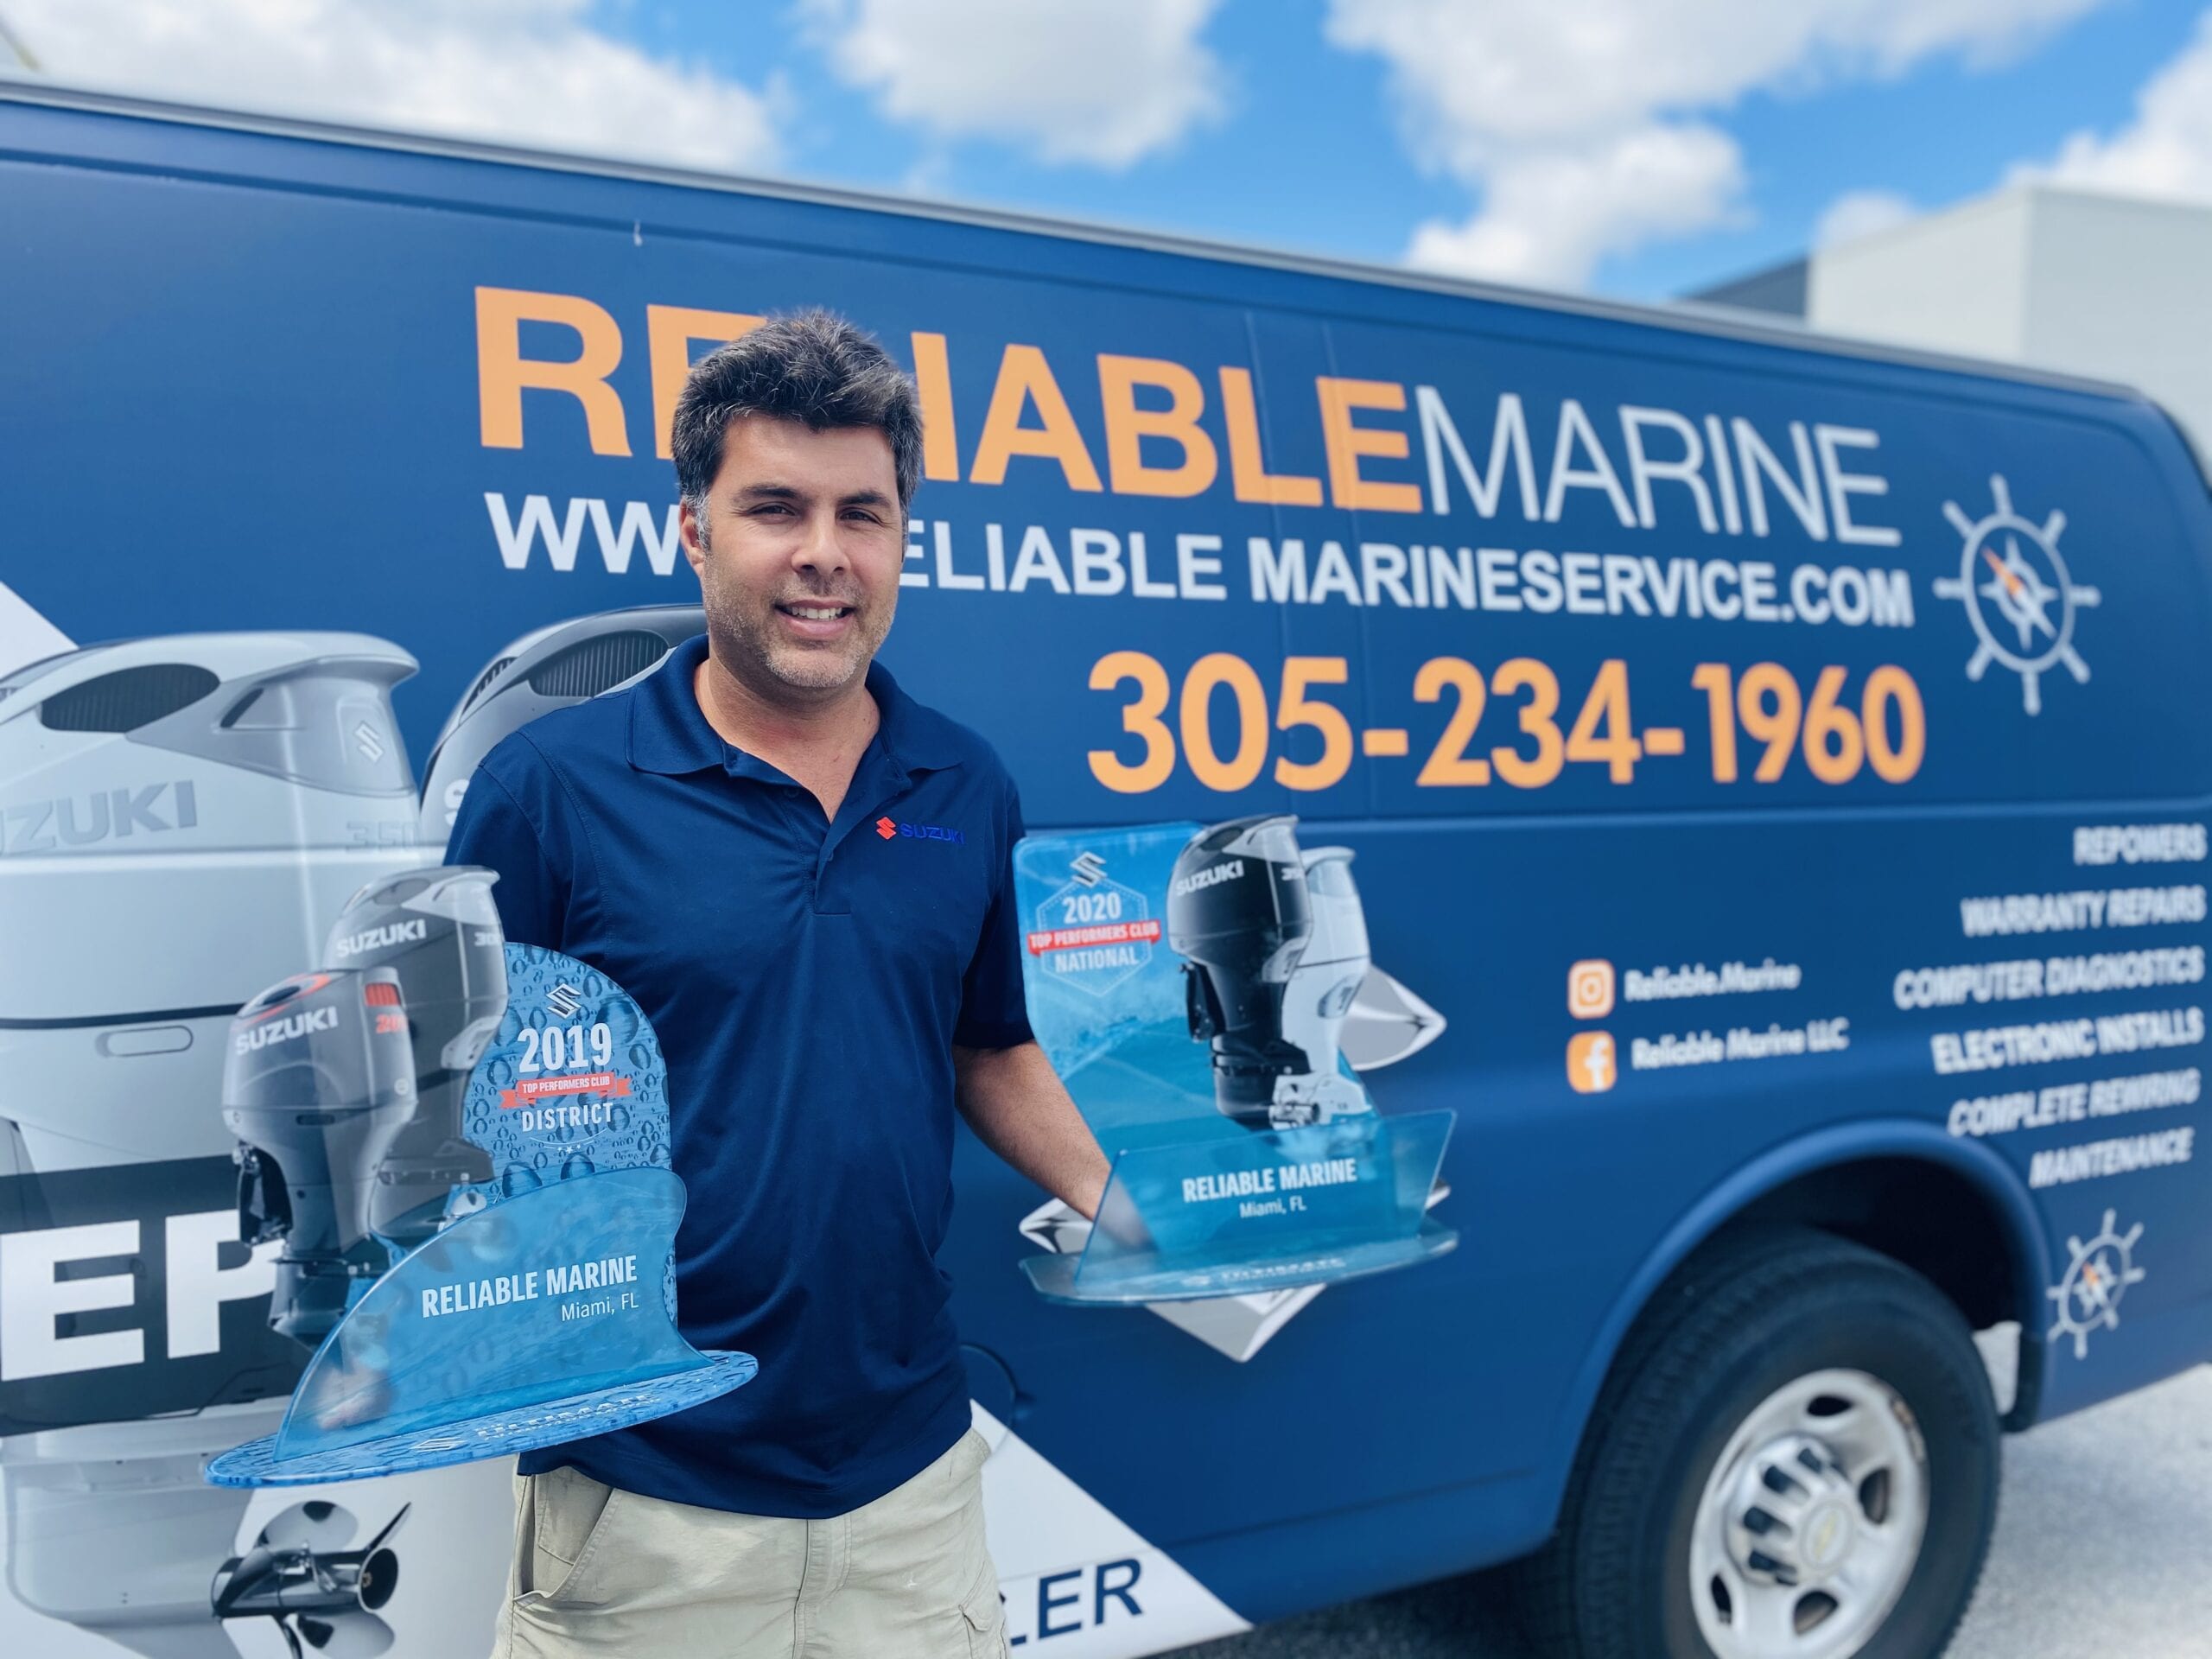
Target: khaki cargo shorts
(600, 1571)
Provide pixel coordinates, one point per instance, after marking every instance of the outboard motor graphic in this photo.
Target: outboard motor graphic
(211, 798)
(543, 670)
(181, 817)
(1328, 976)
(319, 1081)
(1239, 914)
(1275, 949)
(439, 931)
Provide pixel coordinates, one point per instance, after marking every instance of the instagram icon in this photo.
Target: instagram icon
(1589, 989)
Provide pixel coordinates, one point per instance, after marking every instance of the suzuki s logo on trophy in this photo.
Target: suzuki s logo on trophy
(1094, 932)
(564, 999)
(2019, 600)
(1589, 989)
(1592, 1063)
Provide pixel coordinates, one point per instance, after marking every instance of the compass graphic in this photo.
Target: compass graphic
(2018, 596)
(2097, 1277)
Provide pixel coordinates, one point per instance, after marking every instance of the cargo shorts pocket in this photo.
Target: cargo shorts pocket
(985, 1617)
(569, 1517)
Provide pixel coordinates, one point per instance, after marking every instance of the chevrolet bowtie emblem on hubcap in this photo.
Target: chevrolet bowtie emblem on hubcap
(884, 828)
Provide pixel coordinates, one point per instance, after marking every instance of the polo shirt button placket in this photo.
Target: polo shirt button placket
(880, 793)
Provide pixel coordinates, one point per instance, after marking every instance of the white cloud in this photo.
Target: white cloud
(1610, 100)
(1549, 215)
(1105, 82)
(2167, 149)
(1861, 213)
(520, 71)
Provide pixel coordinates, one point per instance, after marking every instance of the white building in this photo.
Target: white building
(2112, 287)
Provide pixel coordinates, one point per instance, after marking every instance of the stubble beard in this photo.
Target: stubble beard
(746, 633)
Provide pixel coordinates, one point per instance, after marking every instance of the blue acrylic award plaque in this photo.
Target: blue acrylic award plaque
(1226, 1216)
(1192, 985)
(545, 1309)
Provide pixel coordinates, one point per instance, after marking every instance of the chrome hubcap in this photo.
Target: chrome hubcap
(1811, 1521)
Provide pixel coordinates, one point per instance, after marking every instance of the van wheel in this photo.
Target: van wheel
(1795, 1457)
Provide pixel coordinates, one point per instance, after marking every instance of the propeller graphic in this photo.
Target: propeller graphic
(322, 1596)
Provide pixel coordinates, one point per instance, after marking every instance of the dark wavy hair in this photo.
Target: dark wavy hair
(811, 366)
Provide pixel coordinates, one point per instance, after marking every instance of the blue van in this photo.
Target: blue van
(1768, 765)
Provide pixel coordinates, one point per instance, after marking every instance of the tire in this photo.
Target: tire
(1770, 1346)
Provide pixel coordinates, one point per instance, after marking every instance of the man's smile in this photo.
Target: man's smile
(816, 620)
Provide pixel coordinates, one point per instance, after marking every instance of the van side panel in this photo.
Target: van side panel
(1743, 747)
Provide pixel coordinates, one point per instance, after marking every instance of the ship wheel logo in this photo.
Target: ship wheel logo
(2018, 597)
(2096, 1278)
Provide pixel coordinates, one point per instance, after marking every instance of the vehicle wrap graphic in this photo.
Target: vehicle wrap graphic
(1630, 660)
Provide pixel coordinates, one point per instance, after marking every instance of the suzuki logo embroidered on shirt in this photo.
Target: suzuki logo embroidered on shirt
(888, 830)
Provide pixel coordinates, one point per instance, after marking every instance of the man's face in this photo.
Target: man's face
(799, 558)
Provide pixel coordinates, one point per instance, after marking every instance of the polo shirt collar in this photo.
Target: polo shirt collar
(669, 731)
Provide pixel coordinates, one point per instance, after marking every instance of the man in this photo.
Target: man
(824, 996)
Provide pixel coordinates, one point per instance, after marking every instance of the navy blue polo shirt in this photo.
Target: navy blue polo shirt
(807, 980)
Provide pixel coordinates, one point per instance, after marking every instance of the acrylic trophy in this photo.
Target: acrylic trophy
(1199, 988)
(463, 1147)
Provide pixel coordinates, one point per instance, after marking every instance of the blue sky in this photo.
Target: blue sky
(1310, 154)
(1304, 157)
(1635, 147)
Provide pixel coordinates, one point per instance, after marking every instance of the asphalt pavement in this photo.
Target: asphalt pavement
(2103, 1551)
